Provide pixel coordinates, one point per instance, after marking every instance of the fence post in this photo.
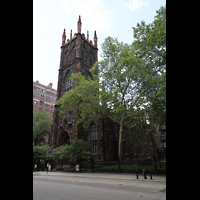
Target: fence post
(79, 165)
(136, 174)
(150, 174)
(119, 165)
(154, 159)
(92, 165)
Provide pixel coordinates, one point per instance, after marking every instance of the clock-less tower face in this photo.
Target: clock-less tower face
(78, 54)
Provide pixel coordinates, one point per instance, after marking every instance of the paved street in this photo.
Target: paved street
(54, 186)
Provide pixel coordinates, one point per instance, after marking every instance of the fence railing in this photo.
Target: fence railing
(156, 166)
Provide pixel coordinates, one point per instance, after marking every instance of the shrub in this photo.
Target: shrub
(131, 168)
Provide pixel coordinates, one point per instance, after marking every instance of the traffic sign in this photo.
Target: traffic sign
(49, 152)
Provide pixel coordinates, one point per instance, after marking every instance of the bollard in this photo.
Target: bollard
(136, 174)
(150, 174)
(144, 174)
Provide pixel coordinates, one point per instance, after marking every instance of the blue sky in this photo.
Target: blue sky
(113, 18)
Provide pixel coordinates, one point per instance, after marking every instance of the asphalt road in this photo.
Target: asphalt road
(76, 188)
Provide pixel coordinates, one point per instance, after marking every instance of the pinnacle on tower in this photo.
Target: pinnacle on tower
(95, 39)
(79, 24)
(88, 35)
(63, 38)
(71, 34)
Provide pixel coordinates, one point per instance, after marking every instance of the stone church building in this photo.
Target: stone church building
(78, 54)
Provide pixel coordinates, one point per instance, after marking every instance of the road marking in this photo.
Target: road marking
(77, 180)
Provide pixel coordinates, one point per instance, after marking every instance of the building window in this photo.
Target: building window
(41, 104)
(41, 99)
(66, 58)
(91, 59)
(35, 97)
(83, 53)
(74, 53)
(94, 148)
(68, 82)
(40, 108)
(86, 74)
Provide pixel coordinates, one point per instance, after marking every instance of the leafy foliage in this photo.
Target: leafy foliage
(79, 99)
(41, 126)
(150, 47)
(78, 148)
(40, 152)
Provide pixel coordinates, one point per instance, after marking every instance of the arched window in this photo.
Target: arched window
(94, 148)
(83, 53)
(91, 59)
(66, 58)
(74, 53)
(68, 82)
(86, 74)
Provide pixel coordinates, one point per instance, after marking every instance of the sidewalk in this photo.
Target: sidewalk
(104, 175)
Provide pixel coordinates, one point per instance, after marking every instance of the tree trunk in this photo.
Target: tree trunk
(120, 141)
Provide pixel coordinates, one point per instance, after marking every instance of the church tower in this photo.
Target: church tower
(78, 54)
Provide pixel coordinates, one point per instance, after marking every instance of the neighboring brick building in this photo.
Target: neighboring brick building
(44, 97)
(79, 54)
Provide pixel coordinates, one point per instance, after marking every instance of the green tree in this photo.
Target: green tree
(61, 152)
(150, 47)
(40, 152)
(41, 126)
(78, 148)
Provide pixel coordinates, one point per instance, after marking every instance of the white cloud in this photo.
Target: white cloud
(93, 14)
(135, 4)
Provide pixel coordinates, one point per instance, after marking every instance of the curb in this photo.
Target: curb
(97, 177)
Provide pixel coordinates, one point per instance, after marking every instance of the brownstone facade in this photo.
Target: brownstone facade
(78, 54)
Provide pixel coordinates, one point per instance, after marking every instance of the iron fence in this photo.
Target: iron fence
(155, 166)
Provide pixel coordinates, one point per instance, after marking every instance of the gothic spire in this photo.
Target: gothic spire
(79, 24)
(63, 38)
(95, 39)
